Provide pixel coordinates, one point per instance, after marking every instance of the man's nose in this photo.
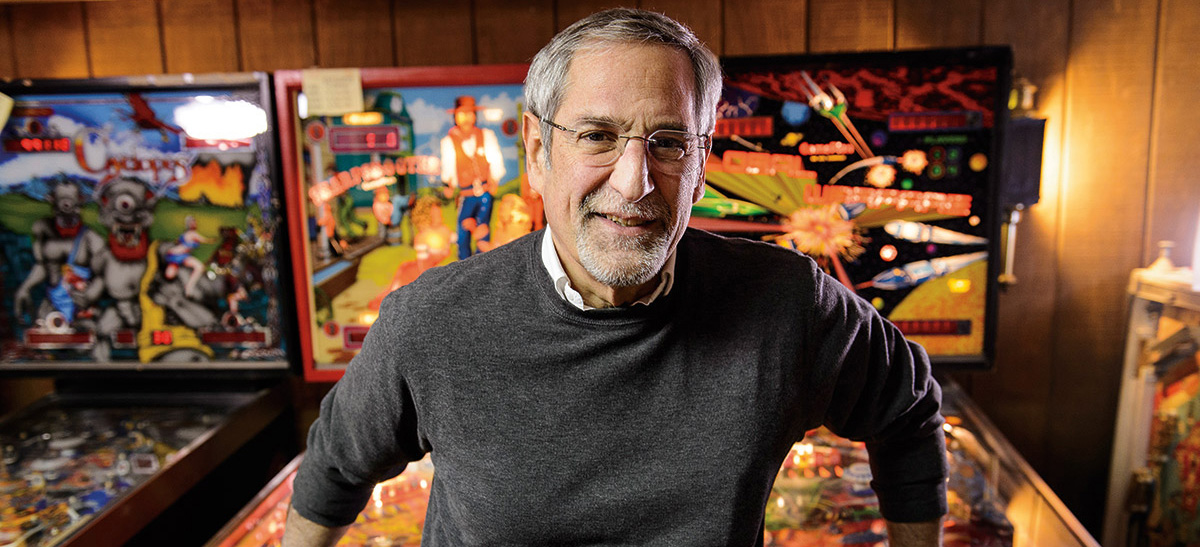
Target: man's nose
(631, 174)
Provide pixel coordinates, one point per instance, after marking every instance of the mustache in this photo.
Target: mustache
(608, 201)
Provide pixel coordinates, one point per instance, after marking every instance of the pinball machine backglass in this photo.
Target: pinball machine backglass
(138, 221)
(882, 166)
(426, 169)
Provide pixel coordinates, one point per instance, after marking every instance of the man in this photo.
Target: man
(629, 381)
(471, 163)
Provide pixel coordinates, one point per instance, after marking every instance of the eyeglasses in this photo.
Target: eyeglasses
(602, 147)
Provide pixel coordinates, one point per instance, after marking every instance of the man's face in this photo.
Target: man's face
(464, 118)
(618, 223)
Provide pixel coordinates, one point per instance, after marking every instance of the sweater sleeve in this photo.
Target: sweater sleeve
(881, 391)
(366, 431)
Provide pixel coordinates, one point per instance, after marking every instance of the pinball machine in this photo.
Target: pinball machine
(1154, 479)
(141, 270)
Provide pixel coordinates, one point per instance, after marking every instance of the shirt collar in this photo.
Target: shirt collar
(562, 283)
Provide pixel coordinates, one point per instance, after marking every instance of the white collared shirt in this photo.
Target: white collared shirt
(562, 283)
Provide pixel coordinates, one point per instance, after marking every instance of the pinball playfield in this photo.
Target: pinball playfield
(86, 469)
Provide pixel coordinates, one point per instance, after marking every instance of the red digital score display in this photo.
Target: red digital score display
(933, 121)
(38, 144)
(162, 338)
(364, 138)
(755, 126)
(934, 327)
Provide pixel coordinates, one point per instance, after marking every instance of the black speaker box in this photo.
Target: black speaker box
(1021, 175)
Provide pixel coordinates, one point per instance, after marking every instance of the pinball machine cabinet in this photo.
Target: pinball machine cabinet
(1154, 484)
(139, 221)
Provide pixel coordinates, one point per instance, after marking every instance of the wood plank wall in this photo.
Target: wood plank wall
(1117, 83)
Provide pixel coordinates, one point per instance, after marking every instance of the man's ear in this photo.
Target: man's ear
(531, 134)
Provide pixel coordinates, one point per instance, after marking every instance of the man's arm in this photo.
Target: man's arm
(301, 532)
(915, 534)
(883, 394)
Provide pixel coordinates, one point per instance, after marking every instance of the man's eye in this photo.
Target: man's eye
(669, 142)
(597, 137)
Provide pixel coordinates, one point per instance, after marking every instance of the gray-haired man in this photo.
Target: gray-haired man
(630, 381)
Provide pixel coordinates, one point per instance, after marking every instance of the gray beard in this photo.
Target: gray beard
(626, 261)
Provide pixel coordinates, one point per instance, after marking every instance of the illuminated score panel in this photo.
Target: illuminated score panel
(934, 327)
(364, 139)
(902, 122)
(755, 126)
(38, 144)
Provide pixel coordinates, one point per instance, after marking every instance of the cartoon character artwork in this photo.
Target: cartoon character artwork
(131, 241)
(431, 244)
(225, 263)
(56, 242)
(471, 165)
(425, 176)
(146, 119)
(513, 219)
(180, 255)
(118, 262)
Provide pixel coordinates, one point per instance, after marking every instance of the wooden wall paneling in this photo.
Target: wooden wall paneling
(512, 31)
(276, 34)
(569, 11)
(1174, 191)
(766, 27)
(199, 36)
(8, 61)
(429, 34)
(850, 25)
(123, 38)
(1016, 393)
(354, 33)
(937, 23)
(702, 16)
(1109, 83)
(48, 40)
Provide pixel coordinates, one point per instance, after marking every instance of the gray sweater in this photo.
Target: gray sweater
(662, 424)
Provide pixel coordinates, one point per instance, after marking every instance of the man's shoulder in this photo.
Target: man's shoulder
(708, 246)
(747, 264)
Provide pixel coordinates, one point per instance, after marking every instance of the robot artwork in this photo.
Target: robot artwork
(129, 240)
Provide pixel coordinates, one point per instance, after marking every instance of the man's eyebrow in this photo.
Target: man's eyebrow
(602, 121)
(612, 123)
